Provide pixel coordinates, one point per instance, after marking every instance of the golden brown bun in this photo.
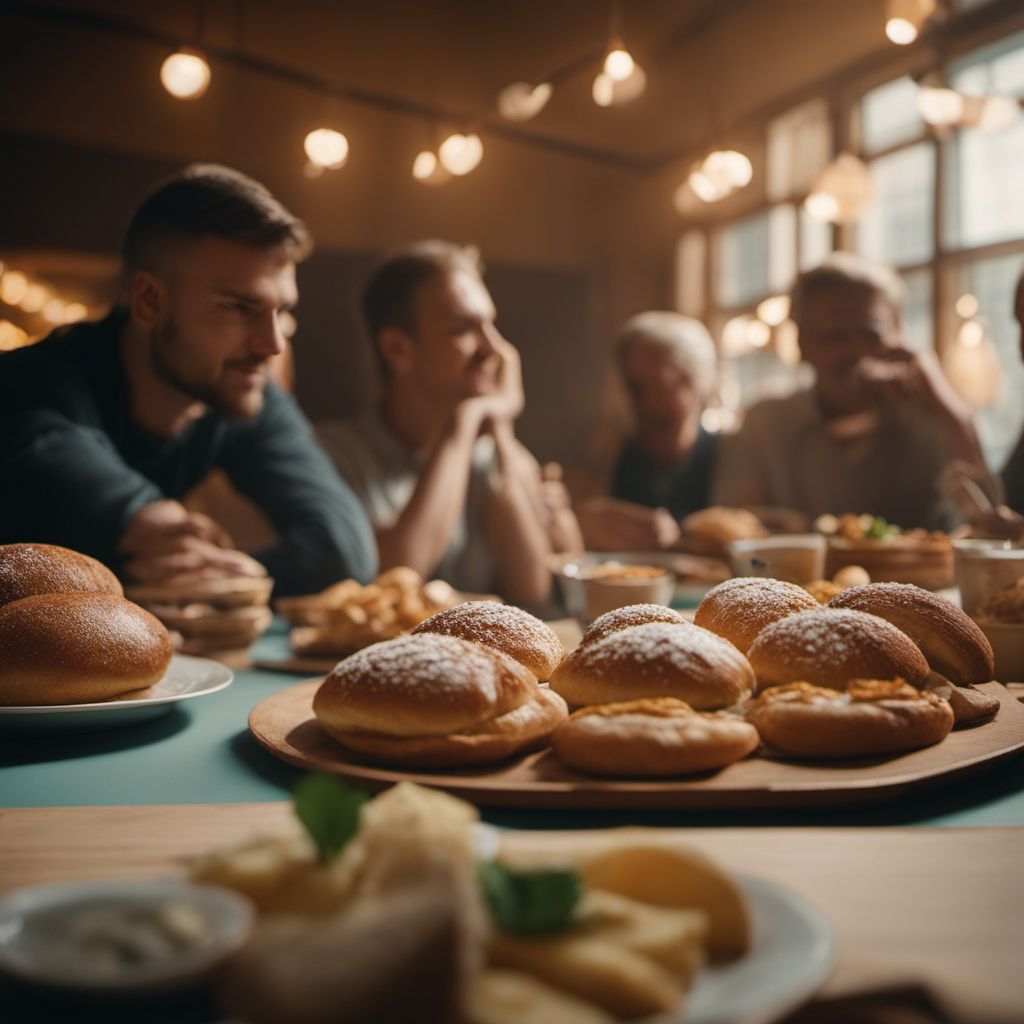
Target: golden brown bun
(78, 648)
(872, 717)
(740, 608)
(422, 685)
(646, 738)
(710, 530)
(629, 615)
(971, 706)
(831, 646)
(504, 627)
(525, 728)
(27, 569)
(951, 642)
(658, 659)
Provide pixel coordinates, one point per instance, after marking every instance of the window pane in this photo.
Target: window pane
(889, 115)
(897, 228)
(918, 325)
(994, 69)
(799, 147)
(992, 282)
(755, 257)
(815, 240)
(690, 255)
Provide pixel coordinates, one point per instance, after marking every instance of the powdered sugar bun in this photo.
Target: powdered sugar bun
(870, 718)
(421, 685)
(504, 627)
(524, 728)
(627, 616)
(648, 738)
(740, 608)
(831, 646)
(657, 659)
(951, 642)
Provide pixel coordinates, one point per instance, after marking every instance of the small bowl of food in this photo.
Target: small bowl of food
(593, 584)
(149, 935)
(793, 557)
(990, 575)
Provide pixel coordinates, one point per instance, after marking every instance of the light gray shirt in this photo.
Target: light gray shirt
(384, 472)
(784, 455)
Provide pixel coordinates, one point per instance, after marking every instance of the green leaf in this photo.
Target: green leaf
(530, 902)
(330, 811)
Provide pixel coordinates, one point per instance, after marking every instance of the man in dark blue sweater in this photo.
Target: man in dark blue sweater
(104, 426)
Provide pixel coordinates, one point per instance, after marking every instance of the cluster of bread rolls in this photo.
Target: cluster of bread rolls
(67, 634)
(462, 689)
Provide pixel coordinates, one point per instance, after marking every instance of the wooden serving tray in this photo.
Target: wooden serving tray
(285, 725)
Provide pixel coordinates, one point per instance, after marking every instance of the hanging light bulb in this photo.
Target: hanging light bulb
(737, 166)
(424, 165)
(758, 333)
(460, 154)
(774, 310)
(906, 18)
(185, 74)
(522, 101)
(736, 337)
(603, 90)
(54, 310)
(966, 306)
(703, 187)
(939, 106)
(619, 63)
(35, 297)
(74, 311)
(326, 148)
(13, 286)
(841, 191)
(971, 333)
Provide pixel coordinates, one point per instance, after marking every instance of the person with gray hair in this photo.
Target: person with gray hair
(877, 429)
(668, 366)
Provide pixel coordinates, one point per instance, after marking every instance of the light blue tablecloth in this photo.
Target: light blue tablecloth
(201, 752)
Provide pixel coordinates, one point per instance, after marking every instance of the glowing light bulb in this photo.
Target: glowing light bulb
(74, 311)
(603, 90)
(326, 148)
(940, 106)
(737, 167)
(185, 74)
(774, 310)
(971, 333)
(618, 65)
(736, 336)
(966, 306)
(999, 112)
(35, 298)
(900, 31)
(522, 101)
(53, 311)
(13, 286)
(758, 333)
(460, 154)
(424, 165)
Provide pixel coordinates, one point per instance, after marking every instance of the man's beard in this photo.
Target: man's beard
(164, 344)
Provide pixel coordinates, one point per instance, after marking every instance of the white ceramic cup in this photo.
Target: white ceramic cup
(793, 557)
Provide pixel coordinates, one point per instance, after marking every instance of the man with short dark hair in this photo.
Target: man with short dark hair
(450, 490)
(877, 429)
(105, 426)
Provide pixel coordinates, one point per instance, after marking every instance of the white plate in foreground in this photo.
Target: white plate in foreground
(791, 957)
(186, 677)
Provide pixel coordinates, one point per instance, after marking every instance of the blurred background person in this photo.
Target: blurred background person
(668, 368)
(450, 490)
(877, 428)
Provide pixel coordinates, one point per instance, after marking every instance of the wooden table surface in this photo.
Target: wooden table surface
(939, 909)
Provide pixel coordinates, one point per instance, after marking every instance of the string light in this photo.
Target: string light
(185, 74)
(758, 333)
(906, 18)
(619, 64)
(326, 148)
(13, 286)
(424, 165)
(966, 305)
(522, 101)
(774, 310)
(841, 191)
(35, 297)
(460, 154)
(721, 173)
(940, 106)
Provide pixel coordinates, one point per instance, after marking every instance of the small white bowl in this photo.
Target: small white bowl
(36, 923)
(587, 597)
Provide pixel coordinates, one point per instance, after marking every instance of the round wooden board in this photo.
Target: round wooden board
(285, 725)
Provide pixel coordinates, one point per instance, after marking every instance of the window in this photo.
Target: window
(799, 147)
(889, 116)
(815, 240)
(690, 262)
(898, 226)
(918, 326)
(755, 257)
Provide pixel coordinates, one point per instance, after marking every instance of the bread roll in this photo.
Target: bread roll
(524, 728)
(830, 646)
(649, 738)
(630, 615)
(76, 648)
(971, 706)
(27, 569)
(421, 685)
(504, 627)
(740, 608)
(658, 659)
(872, 717)
(951, 642)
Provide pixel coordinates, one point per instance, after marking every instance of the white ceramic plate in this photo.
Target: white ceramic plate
(186, 677)
(35, 924)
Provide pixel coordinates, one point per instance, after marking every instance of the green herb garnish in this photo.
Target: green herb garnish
(330, 811)
(881, 530)
(530, 902)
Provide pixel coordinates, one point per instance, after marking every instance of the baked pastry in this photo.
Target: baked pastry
(951, 642)
(709, 531)
(831, 646)
(629, 615)
(740, 608)
(77, 648)
(434, 700)
(27, 569)
(503, 627)
(654, 737)
(871, 717)
(658, 659)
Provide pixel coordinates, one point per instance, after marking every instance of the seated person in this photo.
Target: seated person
(105, 426)
(877, 429)
(668, 366)
(449, 489)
